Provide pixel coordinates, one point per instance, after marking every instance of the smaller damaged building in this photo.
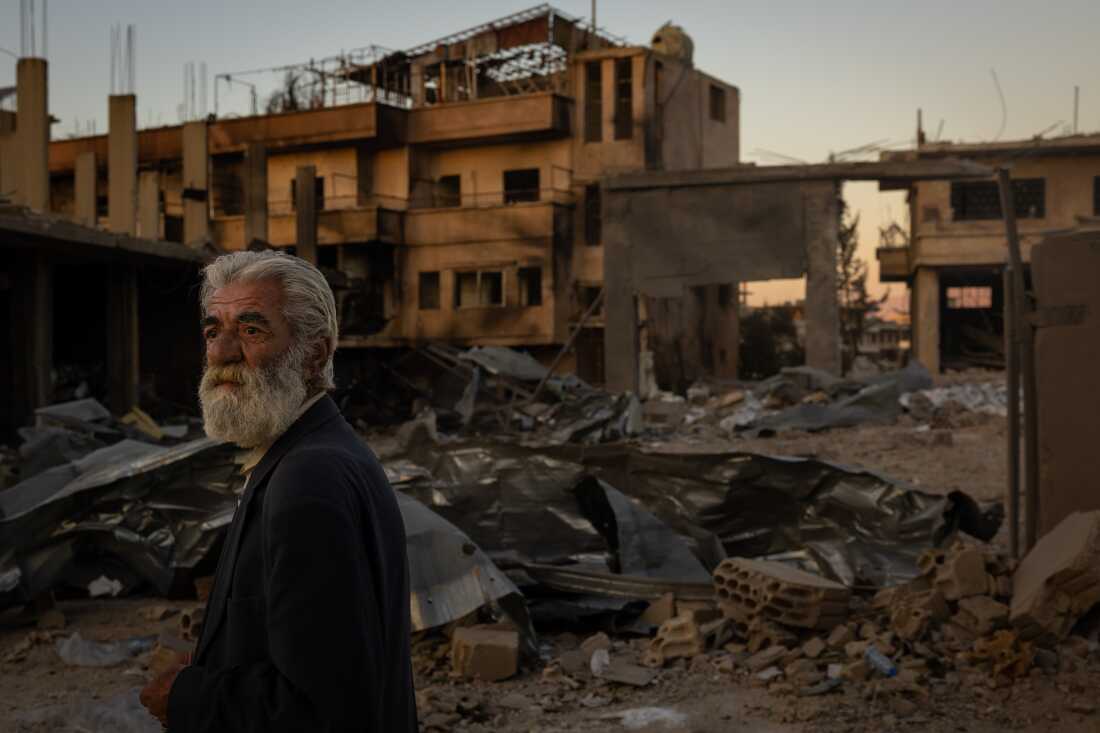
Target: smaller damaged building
(957, 250)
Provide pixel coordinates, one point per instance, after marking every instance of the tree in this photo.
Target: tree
(856, 304)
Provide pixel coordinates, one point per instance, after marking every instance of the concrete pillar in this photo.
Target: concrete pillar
(926, 318)
(9, 162)
(196, 176)
(84, 189)
(416, 84)
(255, 194)
(305, 205)
(33, 134)
(149, 205)
(364, 175)
(31, 336)
(122, 338)
(822, 307)
(122, 164)
(620, 333)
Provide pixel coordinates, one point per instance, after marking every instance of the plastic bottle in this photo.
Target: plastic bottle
(880, 661)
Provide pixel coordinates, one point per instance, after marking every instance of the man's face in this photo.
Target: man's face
(255, 376)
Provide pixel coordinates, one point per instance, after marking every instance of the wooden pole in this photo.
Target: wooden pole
(1021, 313)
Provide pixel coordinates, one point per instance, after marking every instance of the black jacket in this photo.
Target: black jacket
(307, 627)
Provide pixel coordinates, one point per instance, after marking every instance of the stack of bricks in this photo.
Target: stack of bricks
(758, 589)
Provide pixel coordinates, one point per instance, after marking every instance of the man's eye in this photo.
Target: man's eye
(210, 334)
(251, 331)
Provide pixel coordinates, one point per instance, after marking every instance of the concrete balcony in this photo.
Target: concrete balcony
(504, 222)
(336, 226)
(893, 264)
(521, 116)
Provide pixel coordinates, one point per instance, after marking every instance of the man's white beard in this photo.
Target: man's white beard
(262, 406)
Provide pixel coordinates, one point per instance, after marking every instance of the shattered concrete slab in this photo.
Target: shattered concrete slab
(1059, 580)
(749, 589)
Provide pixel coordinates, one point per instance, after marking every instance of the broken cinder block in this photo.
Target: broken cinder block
(963, 575)
(750, 589)
(1059, 580)
(677, 637)
(485, 652)
(981, 614)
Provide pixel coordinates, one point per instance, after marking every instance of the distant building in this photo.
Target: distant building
(957, 251)
(884, 340)
(460, 200)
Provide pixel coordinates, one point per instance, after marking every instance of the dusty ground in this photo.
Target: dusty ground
(968, 455)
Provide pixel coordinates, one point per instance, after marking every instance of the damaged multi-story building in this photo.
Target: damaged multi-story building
(957, 251)
(450, 191)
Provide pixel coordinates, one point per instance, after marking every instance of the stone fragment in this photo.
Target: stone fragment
(678, 637)
(1059, 580)
(515, 701)
(814, 647)
(839, 637)
(575, 662)
(486, 653)
(203, 586)
(803, 672)
(764, 677)
(719, 632)
(765, 658)
(157, 613)
(660, 610)
(750, 589)
(594, 642)
(855, 649)
(628, 674)
(857, 671)
(762, 634)
(915, 612)
(962, 575)
(981, 614)
(823, 687)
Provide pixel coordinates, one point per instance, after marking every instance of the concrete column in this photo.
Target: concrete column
(822, 308)
(926, 318)
(149, 205)
(33, 134)
(9, 161)
(31, 336)
(364, 175)
(196, 176)
(255, 193)
(416, 84)
(122, 338)
(84, 189)
(620, 333)
(122, 164)
(306, 213)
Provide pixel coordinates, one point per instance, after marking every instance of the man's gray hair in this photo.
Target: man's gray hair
(309, 306)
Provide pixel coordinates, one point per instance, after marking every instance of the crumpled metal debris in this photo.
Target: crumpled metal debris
(990, 398)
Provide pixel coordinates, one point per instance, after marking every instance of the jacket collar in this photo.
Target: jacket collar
(321, 412)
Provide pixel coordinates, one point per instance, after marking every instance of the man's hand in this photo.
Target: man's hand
(155, 695)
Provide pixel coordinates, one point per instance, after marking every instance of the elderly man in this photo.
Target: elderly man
(307, 628)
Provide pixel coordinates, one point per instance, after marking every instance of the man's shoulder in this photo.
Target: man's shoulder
(326, 464)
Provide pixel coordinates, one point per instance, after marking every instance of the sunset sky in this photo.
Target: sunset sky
(815, 77)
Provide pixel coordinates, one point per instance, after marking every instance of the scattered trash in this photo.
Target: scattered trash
(880, 662)
(81, 652)
(104, 586)
(637, 718)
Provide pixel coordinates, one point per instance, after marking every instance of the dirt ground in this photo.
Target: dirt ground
(705, 694)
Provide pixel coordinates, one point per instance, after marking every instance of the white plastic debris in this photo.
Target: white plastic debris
(637, 718)
(104, 586)
(601, 660)
(80, 652)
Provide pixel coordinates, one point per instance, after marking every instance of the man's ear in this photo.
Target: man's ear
(318, 357)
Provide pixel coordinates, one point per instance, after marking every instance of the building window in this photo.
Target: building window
(970, 298)
(530, 286)
(484, 289)
(1096, 196)
(592, 232)
(624, 98)
(429, 291)
(977, 200)
(586, 296)
(449, 191)
(717, 103)
(228, 191)
(593, 102)
(521, 185)
(318, 193)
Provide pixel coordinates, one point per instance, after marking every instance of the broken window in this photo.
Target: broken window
(173, 228)
(717, 103)
(593, 102)
(587, 296)
(449, 191)
(318, 193)
(521, 185)
(976, 200)
(479, 289)
(592, 231)
(530, 286)
(968, 298)
(624, 98)
(429, 291)
(228, 186)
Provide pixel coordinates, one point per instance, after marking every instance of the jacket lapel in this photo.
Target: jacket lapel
(321, 412)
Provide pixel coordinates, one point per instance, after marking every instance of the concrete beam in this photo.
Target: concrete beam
(822, 309)
(149, 205)
(122, 339)
(85, 180)
(255, 193)
(122, 161)
(306, 213)
(926, 318)
(33, 134)
(196, 177)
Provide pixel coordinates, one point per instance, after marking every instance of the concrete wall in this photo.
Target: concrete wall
(686, 136)
(482, 169)
(610, 156)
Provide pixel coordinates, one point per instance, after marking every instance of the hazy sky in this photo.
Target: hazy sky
(815, 77)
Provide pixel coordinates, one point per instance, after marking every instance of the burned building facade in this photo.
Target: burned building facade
(957, 250)
(459, 202)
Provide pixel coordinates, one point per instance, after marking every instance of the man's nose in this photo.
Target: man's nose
(223, 348)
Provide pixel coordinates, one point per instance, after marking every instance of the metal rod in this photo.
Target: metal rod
(1012, 366)
(596, 302)
(1076, 104)
(1026, 338)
